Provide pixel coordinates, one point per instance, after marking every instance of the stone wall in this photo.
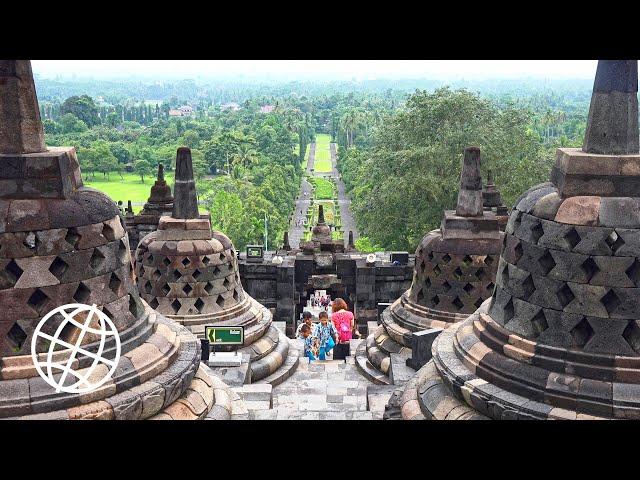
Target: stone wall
(281, 288)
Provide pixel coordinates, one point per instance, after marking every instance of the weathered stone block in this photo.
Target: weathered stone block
(421, 343)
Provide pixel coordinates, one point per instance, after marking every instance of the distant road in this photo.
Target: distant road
(348, 222)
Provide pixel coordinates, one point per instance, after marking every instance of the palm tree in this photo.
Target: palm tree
(294, 120)
(349, 123)
(245, 156)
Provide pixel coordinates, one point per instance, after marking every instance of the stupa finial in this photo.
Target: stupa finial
(20, 125)
(470, 194)
(320, 215)
(185, 203)
(612, 126)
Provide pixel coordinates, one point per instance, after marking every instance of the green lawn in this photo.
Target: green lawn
(322, 161)
(129, 189)
(324, 188)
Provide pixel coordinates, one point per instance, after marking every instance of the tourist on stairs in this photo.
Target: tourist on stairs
(344, 322)
(306, 320)
(311, 343)
(325, 332)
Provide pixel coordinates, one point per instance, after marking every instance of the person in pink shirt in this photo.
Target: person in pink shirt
(345, 324)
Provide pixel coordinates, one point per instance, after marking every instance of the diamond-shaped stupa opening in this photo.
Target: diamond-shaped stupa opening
(16, 336)
(58, 267)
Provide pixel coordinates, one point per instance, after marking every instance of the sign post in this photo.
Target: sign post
(224, 335)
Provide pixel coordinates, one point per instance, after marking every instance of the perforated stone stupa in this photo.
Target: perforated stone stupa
(160, 203)
(189, 273)
(63, 243)
(454, 273)
(560, 338)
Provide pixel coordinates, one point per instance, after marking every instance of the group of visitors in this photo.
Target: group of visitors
(300, 220)
(323, 301)
(327, 336)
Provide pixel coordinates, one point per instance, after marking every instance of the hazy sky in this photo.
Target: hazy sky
(317, 69)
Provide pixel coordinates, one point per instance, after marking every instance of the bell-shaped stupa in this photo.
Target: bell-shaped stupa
(189, 273)
(454, 273)
(62, 243)
(560, 337)
(159, 203)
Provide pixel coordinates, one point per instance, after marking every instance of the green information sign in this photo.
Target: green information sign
(255, 251)
(225, 335)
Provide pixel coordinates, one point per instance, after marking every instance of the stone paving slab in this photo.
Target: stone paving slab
(322, 390)
(257, 405)
(263, 415)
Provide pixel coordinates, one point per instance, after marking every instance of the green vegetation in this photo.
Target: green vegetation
(402, 183)
(322, 161)
(364, 245)
(245, 164)
(324, 189)
(129, 187)
(399, 153)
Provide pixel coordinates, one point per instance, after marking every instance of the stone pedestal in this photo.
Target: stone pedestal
(421, 343)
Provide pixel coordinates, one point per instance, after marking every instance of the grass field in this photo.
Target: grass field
(322, 161)
(129, 189)
(324, 188)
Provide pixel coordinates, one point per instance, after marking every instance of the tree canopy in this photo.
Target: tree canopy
(410, 174)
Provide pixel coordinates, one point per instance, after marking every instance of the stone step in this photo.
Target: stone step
(361, 416)
(239, 410)
(286, 369)
(354, 344)
(253, 406)
(262, 414)
(234, 376)
(227, 403)
(282, 326)
(371, 327)
(368, 370)
(399, 372)
(255, 392)
(377, 398)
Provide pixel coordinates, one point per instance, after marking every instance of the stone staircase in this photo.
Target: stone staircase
(290, 363)
(320, 390)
